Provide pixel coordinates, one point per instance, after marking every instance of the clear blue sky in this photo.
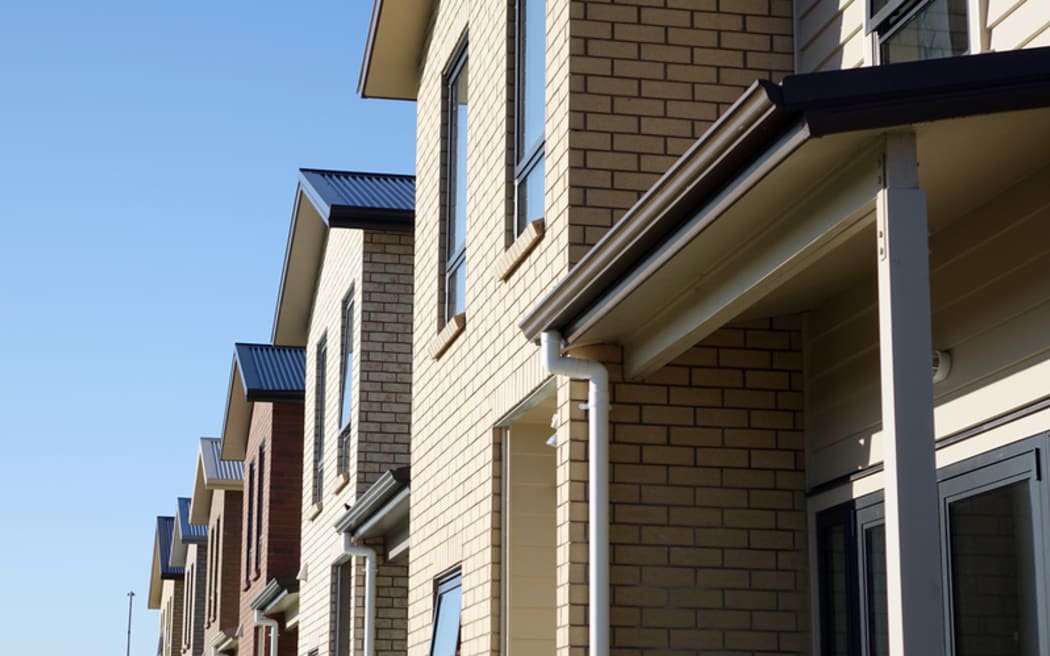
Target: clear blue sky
(148, 157)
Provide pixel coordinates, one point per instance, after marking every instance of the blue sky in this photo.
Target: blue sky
(148, 157)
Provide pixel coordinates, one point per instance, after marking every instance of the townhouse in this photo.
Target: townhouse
(780, 314)
(346, 298)
(166, 589)
(189, 552)
(217, 503)
(262, 428)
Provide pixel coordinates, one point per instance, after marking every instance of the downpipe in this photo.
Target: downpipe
(262, 620)
(369, 554)
(597, 378)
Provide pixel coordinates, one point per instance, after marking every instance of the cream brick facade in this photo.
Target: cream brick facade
(376, 268)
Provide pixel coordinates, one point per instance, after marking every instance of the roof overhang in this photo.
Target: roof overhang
(209, 477)
(243, 392)
(780, 182)
(382, 511)
(393, 53)
(224, 643)
(184, 534)
(317, 207)
(280, 596)
(161, 570)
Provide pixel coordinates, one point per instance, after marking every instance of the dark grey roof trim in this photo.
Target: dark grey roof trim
(275, 590)
(808, 105)
(271, 373)
(369, 201)
(374, 499)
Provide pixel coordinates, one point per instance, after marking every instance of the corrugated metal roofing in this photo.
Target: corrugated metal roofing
(215, 468)
(382, 201)
(189, 532)
(271, 372)
(165, 533)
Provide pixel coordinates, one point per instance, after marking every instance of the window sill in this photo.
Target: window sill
(448, 334)
(344, 480)
(315, 510)
(525, 243)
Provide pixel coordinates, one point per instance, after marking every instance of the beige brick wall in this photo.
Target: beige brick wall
(602, 138)
(648, 77)
(707, 535)
(377, 266)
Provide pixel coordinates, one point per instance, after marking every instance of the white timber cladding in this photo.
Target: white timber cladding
(990, 308)
(830, 33)
(376, 267)
(489, 368)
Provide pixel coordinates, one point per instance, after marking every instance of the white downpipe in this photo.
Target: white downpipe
(598, 479)
(369, 554)
(262, 620)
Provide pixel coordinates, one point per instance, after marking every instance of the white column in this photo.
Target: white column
(913, 553)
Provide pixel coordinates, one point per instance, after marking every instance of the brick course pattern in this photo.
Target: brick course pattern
(647, 78)
(707, 534)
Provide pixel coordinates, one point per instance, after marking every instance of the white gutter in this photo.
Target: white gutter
(262, 620)
(369, 554)
(598, 479)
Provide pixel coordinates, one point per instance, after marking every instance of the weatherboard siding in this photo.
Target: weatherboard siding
(1018, 24)
(990, 308)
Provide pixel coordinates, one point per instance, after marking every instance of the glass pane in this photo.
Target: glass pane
(937, 30)
(836, 631)
(457, 228)
(532, 59)
(348, 365)
(456, 291)
(446, 621)
(875, 582)
(530, 196)
(993, 573)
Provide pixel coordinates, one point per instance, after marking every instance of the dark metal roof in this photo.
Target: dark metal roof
(271, 373)
(165, 533)
(816, 104)
(215, 468)
(371, 201)
(190, 533)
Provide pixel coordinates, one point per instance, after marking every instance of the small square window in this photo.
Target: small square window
(913, 30)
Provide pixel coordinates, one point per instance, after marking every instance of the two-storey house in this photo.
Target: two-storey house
(791, 255)
(166, 589)
(263, 429)
(346, 298)
(189, 552)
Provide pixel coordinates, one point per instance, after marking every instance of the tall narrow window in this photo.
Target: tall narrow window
(456, 189)
(259, 507)
(249, 533)
(447, 603)
(347, 387)
(341, 598)
(319, 401)
(530, 102)
(912, 30)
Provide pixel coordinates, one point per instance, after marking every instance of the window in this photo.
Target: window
(911, 30)
(992, 522)
(248, 541)
(456, 188)
(530, 102)
(340, 605)
(319, 394)
(259, 508)
(347, 387)
(447, 602)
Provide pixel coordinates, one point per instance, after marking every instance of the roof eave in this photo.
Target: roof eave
(374, 499)
(397, 35)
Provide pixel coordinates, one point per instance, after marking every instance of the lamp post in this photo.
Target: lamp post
(131, 596)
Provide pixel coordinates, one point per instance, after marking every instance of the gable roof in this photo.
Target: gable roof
(327, 199)
(213, 473)
(396, 38)
(162, 569)
(185, 534)
(260, 372)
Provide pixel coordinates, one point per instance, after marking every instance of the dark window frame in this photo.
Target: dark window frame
(259, 494)
(528, 158)
(454, 259)
(341, 621)
(890, 19)
(1024, 460)
(443, 586)
(320, 367)
(249, 518)
(346, 383)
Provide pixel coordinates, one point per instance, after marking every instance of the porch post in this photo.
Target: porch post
(913, 555)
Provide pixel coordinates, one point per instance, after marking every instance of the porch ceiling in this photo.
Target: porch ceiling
(800, 234)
